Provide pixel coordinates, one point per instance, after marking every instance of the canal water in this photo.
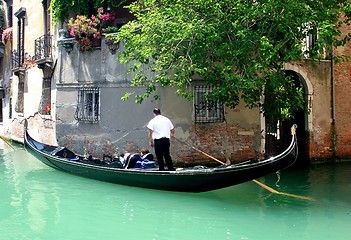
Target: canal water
(37, 202)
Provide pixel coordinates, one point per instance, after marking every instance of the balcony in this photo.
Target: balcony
(18, 62)
(43, 51)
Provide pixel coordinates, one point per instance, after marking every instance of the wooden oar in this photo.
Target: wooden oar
(7, 142)
(254, 180)
(281, 193)
(207, 155)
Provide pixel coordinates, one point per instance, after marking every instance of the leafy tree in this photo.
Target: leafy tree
(240, 46)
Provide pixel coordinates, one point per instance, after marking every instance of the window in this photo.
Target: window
(10, 108)
(20, 95)
(9, 12)
(88, 108)
(311, 40)
(21, 22)
(45, 101)
(206, 110)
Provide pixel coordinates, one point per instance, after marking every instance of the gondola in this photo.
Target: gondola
(195, 179)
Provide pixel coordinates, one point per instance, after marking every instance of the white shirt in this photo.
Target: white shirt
(161, 127)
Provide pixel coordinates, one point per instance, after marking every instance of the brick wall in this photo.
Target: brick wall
(342, 76)
(222, 141)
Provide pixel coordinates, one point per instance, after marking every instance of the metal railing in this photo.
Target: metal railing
(88, 107)
(206, 110)
(43, 47)
(17, 59)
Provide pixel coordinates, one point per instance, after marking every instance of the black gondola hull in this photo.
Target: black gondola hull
(185, 180)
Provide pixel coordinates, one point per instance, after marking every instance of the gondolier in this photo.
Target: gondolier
(161, 130)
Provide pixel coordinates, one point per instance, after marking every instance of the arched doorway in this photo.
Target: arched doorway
(278, 130)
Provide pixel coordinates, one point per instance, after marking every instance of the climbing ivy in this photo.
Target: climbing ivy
(2, 17)
(62, 8)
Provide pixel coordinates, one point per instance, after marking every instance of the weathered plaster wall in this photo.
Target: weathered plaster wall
(317, 79)
(123, 123)
(42, 127)
(6, 84)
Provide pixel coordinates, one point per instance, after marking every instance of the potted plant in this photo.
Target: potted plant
(47, 108)
(111, 39)
(110, 33)
(87, 31)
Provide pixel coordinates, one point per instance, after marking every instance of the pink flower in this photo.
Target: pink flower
(6, 35)
(84, 29)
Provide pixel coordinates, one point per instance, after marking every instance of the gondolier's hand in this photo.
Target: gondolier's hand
(151, 144)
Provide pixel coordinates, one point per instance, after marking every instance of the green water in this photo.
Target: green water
(37, 202)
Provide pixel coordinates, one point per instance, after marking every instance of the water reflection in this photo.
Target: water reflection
(42, 203)
(27, 198)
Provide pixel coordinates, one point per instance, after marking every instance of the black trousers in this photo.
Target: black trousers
(162, 152)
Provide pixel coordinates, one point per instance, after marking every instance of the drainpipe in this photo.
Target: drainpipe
(333, 130)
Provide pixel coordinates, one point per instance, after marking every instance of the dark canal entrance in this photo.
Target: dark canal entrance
(278, 129)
